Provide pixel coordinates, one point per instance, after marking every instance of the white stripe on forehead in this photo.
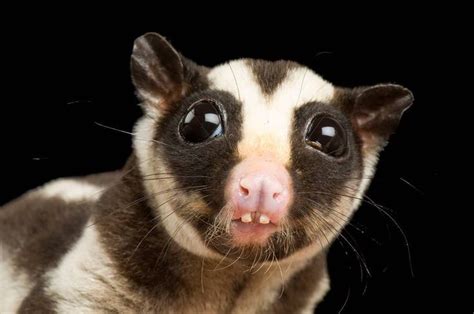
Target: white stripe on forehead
(267, 119)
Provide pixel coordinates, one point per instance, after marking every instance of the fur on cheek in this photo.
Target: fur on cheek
(151, 163)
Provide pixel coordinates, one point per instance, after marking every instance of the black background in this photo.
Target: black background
(63, 78)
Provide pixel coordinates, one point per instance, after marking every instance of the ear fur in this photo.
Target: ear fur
(157, 70)
(378, 109)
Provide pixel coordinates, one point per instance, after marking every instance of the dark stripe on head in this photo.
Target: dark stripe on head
(269, 74)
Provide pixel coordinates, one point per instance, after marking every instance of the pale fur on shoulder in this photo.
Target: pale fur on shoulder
(70, 190)
(14, 285)
(86, 280)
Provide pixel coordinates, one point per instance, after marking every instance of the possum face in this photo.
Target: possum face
(254, 159)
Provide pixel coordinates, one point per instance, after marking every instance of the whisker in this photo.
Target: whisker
(384, 211)
(337, 234)
(405, 238)
(412, 186)
(235, 261)
(165, 249)
(143, 139)
(223, 258)
(281, 275)
(155, 225)
(235, 80)
(202, 275)
(345, 302)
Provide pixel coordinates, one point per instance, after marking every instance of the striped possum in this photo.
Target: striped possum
(241, 177)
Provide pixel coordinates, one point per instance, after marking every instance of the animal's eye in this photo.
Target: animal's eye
(202, 121)
(327, 135)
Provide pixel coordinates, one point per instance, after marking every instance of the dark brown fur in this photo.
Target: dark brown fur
(41, 231)
(157, 273)
(37, 301)
(299, 289)
(158, 267)
(172, 276)
(270, 75)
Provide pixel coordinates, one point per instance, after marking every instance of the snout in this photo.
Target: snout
(261, 192)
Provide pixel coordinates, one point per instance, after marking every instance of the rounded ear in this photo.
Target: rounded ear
(378, 109)
(157, 70)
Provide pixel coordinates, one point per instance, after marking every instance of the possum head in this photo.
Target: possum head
(254, 159)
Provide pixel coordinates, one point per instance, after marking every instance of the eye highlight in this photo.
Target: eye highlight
(327, 135)
(201, 122)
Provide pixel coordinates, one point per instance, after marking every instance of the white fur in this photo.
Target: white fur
(74, 275)
(266, 130)
(71, 190)
(318, 294)
(268, 119)
(151, 73)
(184, 234)
(370, 161)
(150, 162)
(14, 285)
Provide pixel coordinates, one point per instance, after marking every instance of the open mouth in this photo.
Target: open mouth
(252, 228)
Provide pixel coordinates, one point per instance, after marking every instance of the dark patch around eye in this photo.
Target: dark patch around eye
(327, 135)
(202, 122)
(318, 180)
(203, 167)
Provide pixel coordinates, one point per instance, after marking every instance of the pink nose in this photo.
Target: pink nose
(260, 190)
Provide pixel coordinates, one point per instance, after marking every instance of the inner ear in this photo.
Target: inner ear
(157, 70)
(378, 109)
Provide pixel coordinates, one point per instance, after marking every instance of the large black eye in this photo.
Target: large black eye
(201, 122)
(327, 135)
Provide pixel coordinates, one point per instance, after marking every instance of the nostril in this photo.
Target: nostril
(244, 191)
(277, 197)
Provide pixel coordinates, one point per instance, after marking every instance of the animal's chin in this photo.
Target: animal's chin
(244, 234)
